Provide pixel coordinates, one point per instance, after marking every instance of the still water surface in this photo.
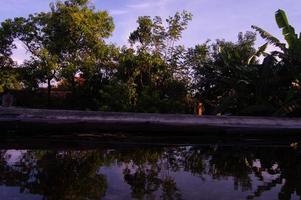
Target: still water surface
(161, 172)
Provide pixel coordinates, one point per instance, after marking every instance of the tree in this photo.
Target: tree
(286, 65)
(290, 53)
(9, 77)
(42, 63)
(76, 34)
(152, 67)
(223, 74)
(67, 41)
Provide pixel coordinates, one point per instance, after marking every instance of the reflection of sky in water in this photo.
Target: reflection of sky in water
(13, 156)
(13, 193)
(117, 188)
(190, 186)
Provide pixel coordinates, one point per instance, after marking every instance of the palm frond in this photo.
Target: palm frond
(259, 52)
(287, 30)
(269, 37)
(281, 19)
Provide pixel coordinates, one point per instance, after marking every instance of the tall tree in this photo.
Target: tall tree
(152, 67)
(76, 34)
(8, 75)
(66, 41)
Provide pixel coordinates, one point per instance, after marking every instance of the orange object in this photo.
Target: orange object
(200, 109)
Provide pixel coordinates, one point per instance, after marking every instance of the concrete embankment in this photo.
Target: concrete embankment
(39, 121)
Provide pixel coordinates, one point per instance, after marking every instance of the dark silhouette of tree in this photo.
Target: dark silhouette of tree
(57, 175)
(287, 68)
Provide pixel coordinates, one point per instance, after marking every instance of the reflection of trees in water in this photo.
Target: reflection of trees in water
(150, 171)
(282, 165)
(146, 171)
(57, 175)
(285, 165)
(290, 164)
(234, 164)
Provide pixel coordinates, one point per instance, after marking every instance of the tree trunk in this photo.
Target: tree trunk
(73, 85)
(48, 92)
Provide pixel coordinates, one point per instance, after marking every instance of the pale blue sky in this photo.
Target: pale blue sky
(212, 19)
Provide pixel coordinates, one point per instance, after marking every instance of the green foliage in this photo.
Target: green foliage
(270, 38)
(228, 78)
(290, 53)
(8, 75)
(287, 30)
(9, 79)
(67, 45)
(223, 76)
(76, 34)
(286, 74)
(154, 65)
(154, 36)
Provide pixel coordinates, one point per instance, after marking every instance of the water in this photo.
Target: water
(151, 172)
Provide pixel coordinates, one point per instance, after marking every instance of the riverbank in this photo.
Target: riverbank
(40, 121)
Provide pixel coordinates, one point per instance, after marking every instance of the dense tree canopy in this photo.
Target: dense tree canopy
(69, 53)
(9, 76)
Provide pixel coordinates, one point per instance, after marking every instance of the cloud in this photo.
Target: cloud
(149, 5)
(139, 6)
(118, 12)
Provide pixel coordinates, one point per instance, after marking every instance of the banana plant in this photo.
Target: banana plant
(290, 53)
(260, 52)
(288, 66)
(287, 30)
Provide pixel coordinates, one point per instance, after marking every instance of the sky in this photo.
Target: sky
(212, 19)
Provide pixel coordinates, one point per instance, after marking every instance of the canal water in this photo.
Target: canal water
(151, 172)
